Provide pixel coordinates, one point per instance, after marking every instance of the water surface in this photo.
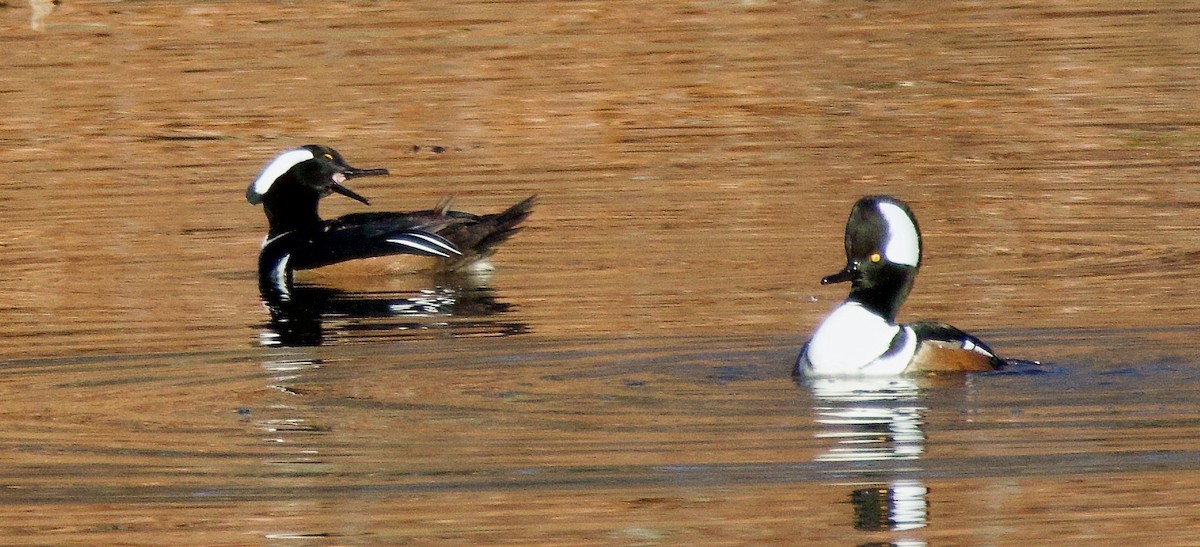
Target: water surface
(622, 377)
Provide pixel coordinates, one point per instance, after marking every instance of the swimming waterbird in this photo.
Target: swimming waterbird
(861, 337)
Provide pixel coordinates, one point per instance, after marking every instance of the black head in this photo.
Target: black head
(291, 185)
(883, 254)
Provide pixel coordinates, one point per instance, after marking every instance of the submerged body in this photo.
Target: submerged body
(290, 188)
(861, 337)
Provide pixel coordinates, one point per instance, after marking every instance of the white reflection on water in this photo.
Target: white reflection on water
(871, 418)
(876, 419)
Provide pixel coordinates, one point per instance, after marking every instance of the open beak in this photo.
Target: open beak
(352, 173)
(349, 193)
(849, 273)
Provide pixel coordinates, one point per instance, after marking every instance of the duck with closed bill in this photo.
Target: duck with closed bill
(290, 188)
(860, 337)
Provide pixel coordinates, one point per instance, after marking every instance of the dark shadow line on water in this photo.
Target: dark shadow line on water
(543, 348)
(1068, 334)
(625, 477)
(132, 359)
(539, 348)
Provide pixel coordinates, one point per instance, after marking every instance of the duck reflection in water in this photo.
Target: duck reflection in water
(877, 428)
(454, 306)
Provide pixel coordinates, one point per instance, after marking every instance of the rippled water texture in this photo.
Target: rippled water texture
(622, 376)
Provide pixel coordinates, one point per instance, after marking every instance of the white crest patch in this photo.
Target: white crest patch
(278, 167)
(903, 243)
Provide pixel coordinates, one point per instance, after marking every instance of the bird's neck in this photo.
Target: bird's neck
(291, 207)
(886, 291)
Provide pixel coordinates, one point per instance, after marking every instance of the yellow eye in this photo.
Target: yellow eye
(328, 157)
(875, 257)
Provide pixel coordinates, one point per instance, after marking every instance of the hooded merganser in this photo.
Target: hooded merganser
(290, 188)
(861, 337)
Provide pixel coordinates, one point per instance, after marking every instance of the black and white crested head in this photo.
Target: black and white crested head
(883, 253)
(291, 186)
(883, 228)
(277, 168)
(305, 171)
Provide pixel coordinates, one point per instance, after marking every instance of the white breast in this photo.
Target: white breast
(852, 341)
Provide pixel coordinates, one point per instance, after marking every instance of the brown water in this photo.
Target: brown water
(622, 378)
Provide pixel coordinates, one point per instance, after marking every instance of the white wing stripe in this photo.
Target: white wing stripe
(419, 247)
(439, 242)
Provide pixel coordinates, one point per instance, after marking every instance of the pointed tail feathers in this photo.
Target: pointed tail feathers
(479, 236)
(504, 225)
